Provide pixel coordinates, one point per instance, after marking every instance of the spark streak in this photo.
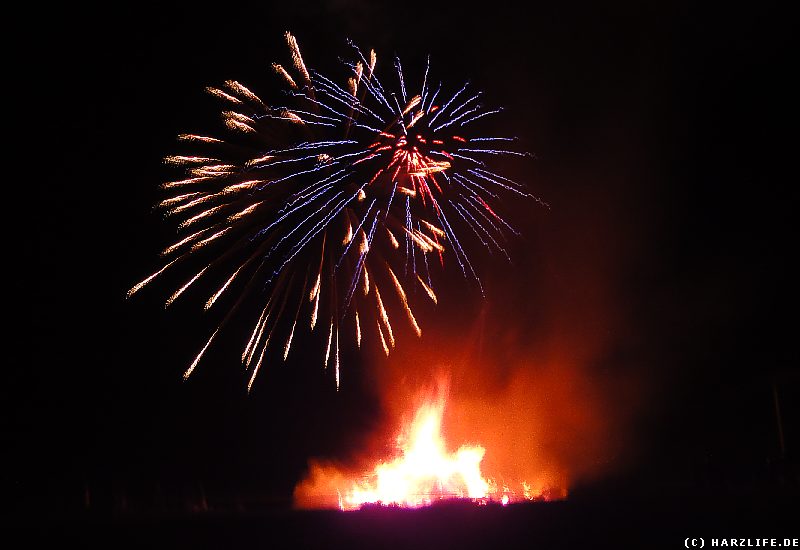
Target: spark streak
(335, 159)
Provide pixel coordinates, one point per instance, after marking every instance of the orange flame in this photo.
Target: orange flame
(423, 472)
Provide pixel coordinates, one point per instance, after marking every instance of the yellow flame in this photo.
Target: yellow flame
(425, 470)
(422, 470)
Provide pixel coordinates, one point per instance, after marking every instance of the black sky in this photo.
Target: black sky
(662, 142)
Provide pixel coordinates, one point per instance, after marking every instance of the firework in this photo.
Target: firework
(337, 208)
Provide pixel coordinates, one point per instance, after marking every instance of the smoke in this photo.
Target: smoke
(545, 405)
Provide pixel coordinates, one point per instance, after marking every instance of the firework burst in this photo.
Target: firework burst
(335, 209)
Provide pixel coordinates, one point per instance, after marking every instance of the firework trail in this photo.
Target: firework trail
(335, 208)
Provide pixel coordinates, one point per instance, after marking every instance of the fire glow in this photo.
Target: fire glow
(422, 473)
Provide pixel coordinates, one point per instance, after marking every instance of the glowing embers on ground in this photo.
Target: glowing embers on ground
(423, 472)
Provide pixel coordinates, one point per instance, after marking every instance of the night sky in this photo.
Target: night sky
(661, 138)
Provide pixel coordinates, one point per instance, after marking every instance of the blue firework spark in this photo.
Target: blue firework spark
(317, 207)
